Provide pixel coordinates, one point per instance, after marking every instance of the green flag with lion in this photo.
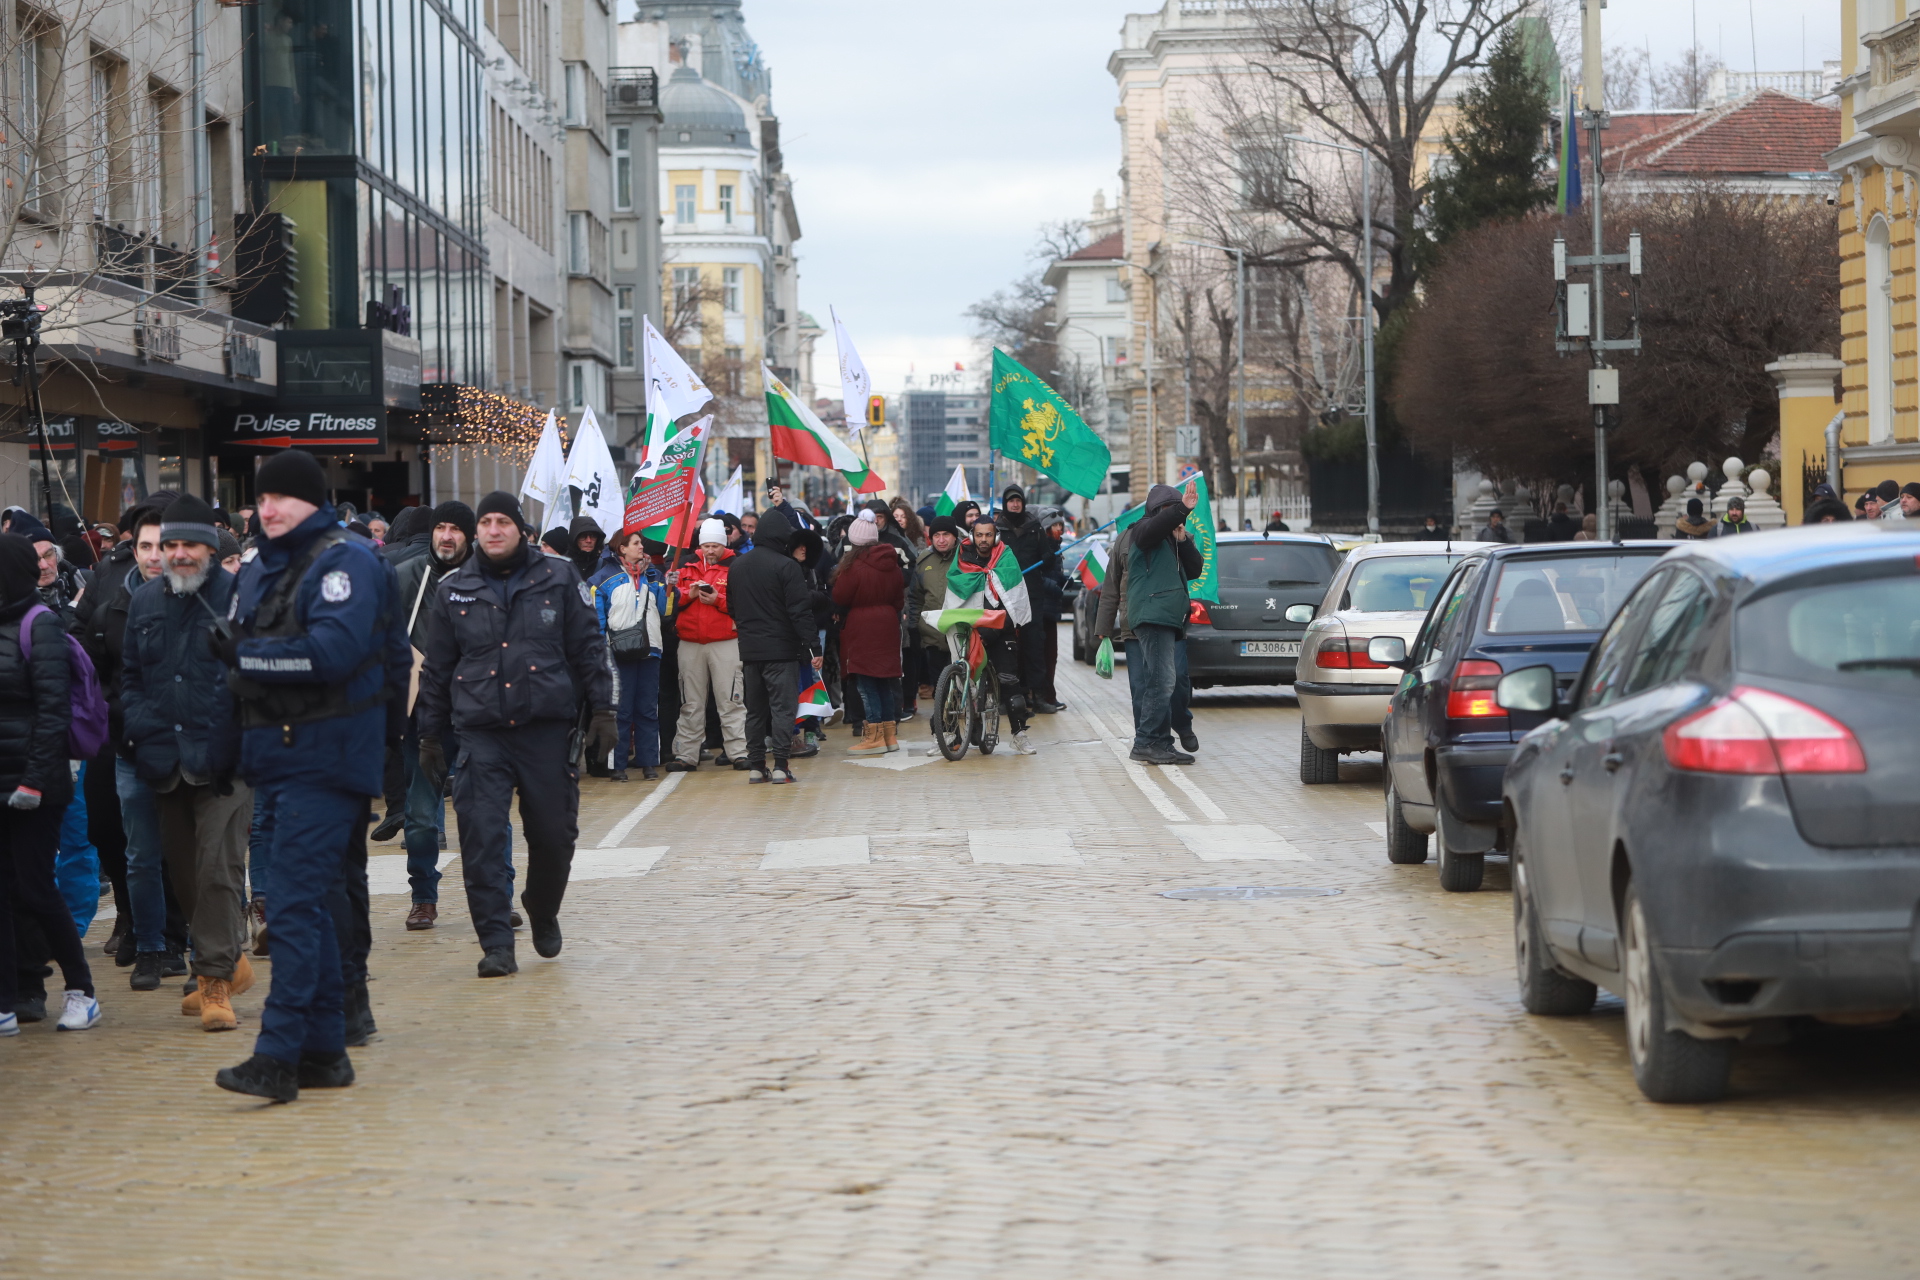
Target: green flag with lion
(1029, 423)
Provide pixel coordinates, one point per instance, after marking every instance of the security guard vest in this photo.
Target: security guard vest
(276, 618)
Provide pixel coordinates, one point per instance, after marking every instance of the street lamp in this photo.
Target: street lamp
(1366, 271)
(1239, 341)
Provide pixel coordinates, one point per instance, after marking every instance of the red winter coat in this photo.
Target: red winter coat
(871, 590)
(699, 622)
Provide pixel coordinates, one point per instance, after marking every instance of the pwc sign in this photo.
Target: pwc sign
(359, 429)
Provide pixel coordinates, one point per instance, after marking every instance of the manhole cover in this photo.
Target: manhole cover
(1247, 893)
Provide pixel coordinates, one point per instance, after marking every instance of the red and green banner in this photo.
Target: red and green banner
(799, 437)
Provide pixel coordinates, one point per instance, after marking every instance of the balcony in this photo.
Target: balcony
(632, 89)
(1887, 106)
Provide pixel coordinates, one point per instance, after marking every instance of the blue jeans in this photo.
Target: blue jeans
(1151, 671)
(259, 840)
(140, 816)
(1182, 704)
(426, 818)
(879, 697)
(76, 868)
(310, 829)
(638, 714)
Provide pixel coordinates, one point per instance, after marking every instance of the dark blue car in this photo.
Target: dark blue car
(1447, 739)
(1720, 820)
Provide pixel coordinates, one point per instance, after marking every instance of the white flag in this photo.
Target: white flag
(855, 385)
(673, 391)
(590, 470)
(733, 496)
(546, 481)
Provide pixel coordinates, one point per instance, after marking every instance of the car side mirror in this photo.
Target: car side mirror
(1388, 651)
(1529, 689)
(1299, 613)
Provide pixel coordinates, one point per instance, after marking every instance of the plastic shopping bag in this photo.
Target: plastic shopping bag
(1103, 659)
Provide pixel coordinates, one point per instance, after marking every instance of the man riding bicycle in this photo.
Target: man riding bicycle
(986, 575)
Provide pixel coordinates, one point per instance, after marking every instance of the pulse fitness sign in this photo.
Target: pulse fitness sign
(336, 386)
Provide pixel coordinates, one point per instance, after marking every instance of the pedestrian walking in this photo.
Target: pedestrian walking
(1110, 621)
(1694, 525)
(1495, 529)
(515, 665)
(35, 714)
(1052, 601)
(317, 641)
(1161, 560)
(181, 726)
(709, 653)
(448, 531)
(630, 600)
(986, 575)
(871, 590)
(772, 611)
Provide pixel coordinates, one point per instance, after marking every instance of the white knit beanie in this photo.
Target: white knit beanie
(713, 531)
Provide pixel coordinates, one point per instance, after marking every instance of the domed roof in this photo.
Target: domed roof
(695, 111)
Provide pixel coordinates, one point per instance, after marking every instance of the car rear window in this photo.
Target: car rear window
(1274, 564)
(1563, 593)
(1863, 633)
(1388, 584)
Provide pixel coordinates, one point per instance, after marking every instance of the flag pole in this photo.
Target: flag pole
(699, 457)
(993, 460)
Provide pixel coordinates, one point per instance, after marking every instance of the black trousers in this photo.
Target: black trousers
(29, 840)
(772, 703)
(106, 833)
(669, 692)
(494, 763)
(1033, 672)
(347, 902)
(1004, 650)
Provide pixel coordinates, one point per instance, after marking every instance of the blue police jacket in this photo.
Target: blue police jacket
(341, 604)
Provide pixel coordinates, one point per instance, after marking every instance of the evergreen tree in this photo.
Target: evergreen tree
(1502, 161)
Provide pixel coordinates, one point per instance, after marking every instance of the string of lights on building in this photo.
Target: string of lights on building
(494, 426)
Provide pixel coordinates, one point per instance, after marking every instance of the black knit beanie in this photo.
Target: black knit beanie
(189, 519)
(19, 568)
(458, 514)
(294, 473)
(500, 502)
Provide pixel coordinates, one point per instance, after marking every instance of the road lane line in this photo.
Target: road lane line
(1136, 771)
(614, 864)
(1200, 799)
(661, 791)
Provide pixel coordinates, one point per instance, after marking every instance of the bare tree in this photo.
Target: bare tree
(1019, 319)
(1683, 82)
(1626, 72)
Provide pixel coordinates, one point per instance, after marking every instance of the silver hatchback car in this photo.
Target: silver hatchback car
(1383, 589)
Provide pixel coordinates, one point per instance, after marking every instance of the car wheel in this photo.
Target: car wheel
(1460, 872)
(1669, 1066)
(1544, 990)
(1405, 846)
(1316, 766)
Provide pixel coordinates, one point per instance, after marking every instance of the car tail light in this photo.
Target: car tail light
(1346, 655)
(1197, 614)
(1470, 696)
(1757, 731)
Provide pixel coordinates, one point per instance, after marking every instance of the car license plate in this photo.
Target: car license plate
(1270, 649)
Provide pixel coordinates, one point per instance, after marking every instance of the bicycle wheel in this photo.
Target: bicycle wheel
(949, 719)
(986, 701)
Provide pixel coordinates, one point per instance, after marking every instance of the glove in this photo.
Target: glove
(433, 763)
(601, 735)
(24, 798)
(223, 784)
(226, 645)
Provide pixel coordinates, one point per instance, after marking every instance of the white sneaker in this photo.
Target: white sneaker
(1021, 745)
(82, 1011)
(9, 1024)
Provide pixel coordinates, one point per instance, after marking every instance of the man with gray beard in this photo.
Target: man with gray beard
(184, 739)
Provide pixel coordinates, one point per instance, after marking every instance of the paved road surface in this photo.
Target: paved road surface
(927, 1019)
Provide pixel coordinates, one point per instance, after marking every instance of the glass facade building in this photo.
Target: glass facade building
(366, 130)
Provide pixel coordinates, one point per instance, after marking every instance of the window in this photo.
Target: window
(1879, 333)
(577, 252)
(1116, 289)
(1275, 564)
(735, 372)
(1437, 631)
(623, 168)
(623, 324)
(1570, 593)
(1388, 584)
(576, 91)
(577, 376)
(1113, 350)
(726, 203)
(1606, 668)
(730, 289)
(683, 204)
(1672, 630)
(100, 141)
(1860, 632)
(27, 86)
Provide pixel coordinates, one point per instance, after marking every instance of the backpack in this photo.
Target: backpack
(87, 705)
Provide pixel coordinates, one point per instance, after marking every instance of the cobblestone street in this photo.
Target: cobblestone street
(912, 1018)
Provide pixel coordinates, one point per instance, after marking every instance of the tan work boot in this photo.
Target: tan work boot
(872, 743)
(242, 975)
(888, 736)
(216, 1005)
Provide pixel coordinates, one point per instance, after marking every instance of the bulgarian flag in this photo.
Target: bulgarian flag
(815, 702)
(943, 620)
(800, 437)
(996, 586)
(953, 495)
(1093, 569)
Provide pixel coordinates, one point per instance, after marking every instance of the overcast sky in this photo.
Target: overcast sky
(928, 141)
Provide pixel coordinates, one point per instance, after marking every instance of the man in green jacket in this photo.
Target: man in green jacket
(927, 589)
(1160, 562)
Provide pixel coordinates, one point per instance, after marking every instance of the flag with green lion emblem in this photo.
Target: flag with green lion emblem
(1032, 425)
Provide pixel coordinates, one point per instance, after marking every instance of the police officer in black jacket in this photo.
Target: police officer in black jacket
(514, 657)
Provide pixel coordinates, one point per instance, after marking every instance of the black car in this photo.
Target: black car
(1245, 638)
(1447, 738)
(1720, 821)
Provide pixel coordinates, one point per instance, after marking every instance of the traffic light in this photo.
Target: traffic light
(876, 411)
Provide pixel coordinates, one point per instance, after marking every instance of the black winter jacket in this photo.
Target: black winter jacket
(490, 666)
(101, 624)
(771, 599)
(173, 688)
(1027, 539)
(34, 711)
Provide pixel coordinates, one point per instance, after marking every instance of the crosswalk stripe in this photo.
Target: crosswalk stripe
(833, 851)
(1033, 846)
(1135, 770)
(1237, 843)
(1200, 798)
(661, 791)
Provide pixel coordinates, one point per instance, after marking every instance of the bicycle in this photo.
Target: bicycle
(966, 697)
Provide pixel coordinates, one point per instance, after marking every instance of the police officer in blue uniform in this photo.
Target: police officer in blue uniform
(315, 640)
(517, 667)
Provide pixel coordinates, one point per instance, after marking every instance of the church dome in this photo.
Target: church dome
(696, 112)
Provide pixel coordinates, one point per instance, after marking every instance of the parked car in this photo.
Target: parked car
(1246, 637)
(1719, 822)
(1071, 560)
(1383, 589)
(1447, 739)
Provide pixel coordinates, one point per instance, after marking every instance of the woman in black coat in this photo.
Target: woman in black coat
(35, 778)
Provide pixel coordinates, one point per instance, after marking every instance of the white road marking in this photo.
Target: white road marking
(899, 760)
(1037, 847)
(1200, 799)
(1237, 843)
(661, 791)
(387, 873)
(615, 864)
(834, 851)
(1135, 770)
(1378, 828)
